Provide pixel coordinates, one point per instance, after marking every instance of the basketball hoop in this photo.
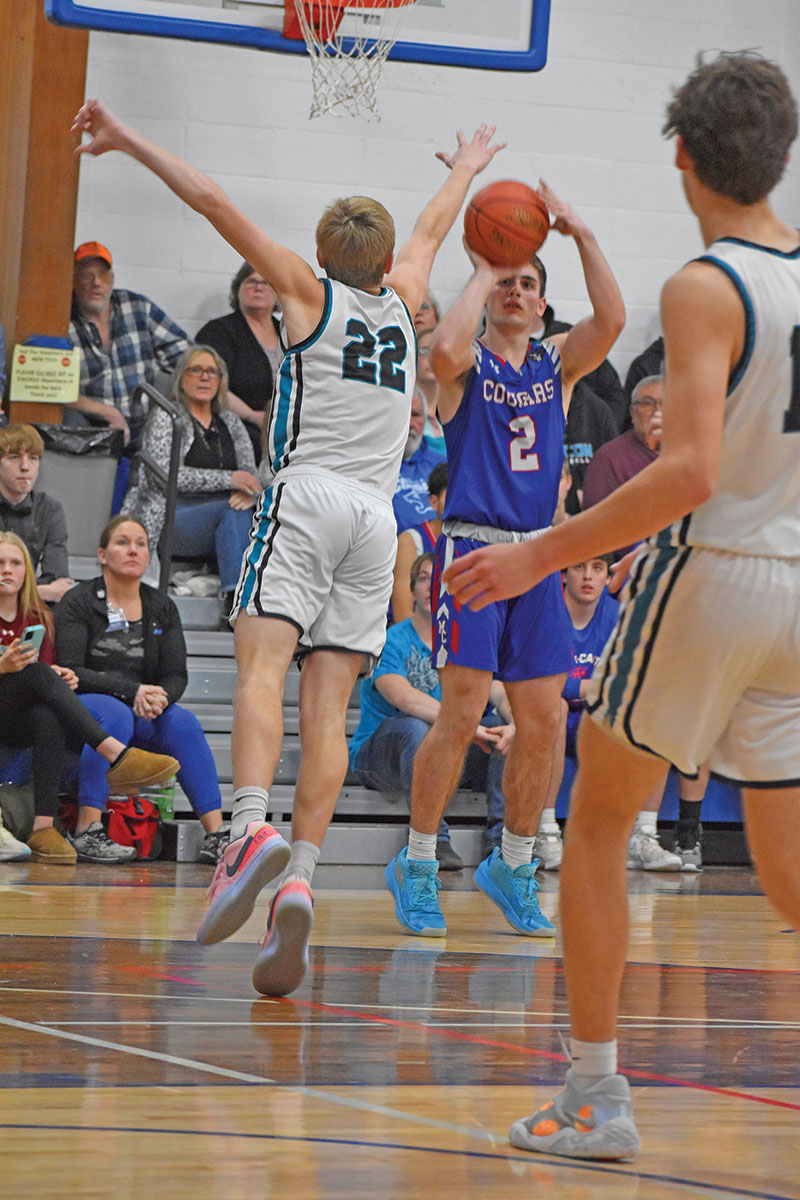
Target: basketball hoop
(348, 42)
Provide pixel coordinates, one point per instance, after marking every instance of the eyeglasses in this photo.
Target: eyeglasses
(198, 372)
(255, 283)
(648, 403)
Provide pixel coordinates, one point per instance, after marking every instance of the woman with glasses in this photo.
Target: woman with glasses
(247, 339)
(217, 486)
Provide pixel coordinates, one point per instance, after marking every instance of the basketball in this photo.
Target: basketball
(506, 222)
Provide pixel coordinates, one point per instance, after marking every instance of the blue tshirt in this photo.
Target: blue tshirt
(505, 444)
(410, 500)
(404, 654)
(588, 644)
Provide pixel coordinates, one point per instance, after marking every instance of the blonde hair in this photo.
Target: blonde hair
(20, 439)
(355, 236)
(29, 602)
(176, 393)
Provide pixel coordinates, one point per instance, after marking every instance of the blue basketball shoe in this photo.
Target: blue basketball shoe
(414, 886)
(514, 893)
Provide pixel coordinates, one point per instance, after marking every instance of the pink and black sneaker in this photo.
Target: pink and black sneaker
(246, 867)
(283, 958)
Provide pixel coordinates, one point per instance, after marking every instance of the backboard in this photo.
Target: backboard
(502, 35)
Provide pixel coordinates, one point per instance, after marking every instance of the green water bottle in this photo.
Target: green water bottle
(162, 795)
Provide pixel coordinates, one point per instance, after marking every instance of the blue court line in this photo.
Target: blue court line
(529, 1159)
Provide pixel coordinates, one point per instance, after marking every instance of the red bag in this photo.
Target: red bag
(135, 821)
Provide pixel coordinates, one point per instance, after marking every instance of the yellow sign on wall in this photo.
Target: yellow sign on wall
(45, 375)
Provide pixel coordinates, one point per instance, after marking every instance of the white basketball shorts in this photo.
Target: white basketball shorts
(321, 555)
(705, 664)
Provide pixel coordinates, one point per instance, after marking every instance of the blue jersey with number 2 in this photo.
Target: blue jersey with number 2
(505, 444)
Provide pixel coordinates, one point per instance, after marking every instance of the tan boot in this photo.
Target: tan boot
(48, 846)
(139, 768)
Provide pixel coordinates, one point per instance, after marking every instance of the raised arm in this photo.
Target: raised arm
(300, 292)
(586, 345)
(451, 353)
(412, 265)
(704, 331)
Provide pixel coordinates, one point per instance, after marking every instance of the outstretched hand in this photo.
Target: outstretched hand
(103, 126)
(477, 153)
(493, 573)
(565, 219)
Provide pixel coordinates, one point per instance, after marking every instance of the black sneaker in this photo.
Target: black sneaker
(689, 847)
(214, 844)
(95, 846)
(447, 858)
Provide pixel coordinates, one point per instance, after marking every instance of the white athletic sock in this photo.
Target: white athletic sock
(646, 823)
(547, 821)
(517, 851)
(249, 804)
(592, 1061)
(302, 863)
(421, 846)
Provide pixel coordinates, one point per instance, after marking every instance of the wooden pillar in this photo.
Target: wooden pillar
(42, 82)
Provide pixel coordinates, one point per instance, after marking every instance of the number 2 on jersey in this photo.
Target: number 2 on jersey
(520, 447)
(791, 418)
(358, 356)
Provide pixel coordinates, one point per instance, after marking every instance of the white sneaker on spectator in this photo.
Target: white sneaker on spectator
(645, 853)
(12, 850)
(549, 848)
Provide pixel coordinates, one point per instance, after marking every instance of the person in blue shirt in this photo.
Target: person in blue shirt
(399, 702)
(593, 614)
(410, 501)
(502, 401)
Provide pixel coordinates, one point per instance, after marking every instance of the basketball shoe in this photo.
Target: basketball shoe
(514, 892)
(548, 847)
(283, 958)
(414, 886)
(645, 853)
(582, 1122)
(247, 865)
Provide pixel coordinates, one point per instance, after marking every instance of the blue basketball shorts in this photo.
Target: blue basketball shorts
(528, 637)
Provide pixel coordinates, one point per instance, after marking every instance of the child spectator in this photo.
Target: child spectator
(39, 708)
(33, 516)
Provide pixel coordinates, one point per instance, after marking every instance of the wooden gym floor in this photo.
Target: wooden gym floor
(136, 1063)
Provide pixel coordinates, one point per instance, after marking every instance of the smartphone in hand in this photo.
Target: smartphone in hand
(32, 635)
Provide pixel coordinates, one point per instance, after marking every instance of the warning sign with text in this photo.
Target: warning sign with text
(45, 375)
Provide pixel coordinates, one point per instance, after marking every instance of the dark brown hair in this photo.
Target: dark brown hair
(114, 523)
(737, 118)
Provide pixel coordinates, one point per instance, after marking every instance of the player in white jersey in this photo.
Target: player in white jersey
(319, 567)
(705, 660)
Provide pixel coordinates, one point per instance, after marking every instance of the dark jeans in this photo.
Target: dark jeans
(38, 709)
(385, 763)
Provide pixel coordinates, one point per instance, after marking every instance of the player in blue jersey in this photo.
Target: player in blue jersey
(318, 572)
(705, 660)
(502, 401)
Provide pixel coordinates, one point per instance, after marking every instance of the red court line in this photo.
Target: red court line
(454, 1035)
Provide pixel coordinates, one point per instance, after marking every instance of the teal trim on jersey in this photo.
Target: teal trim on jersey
(256, 547)
(641, 606)
(758, 246)
(749, 316)
(315, 334)
(279, 421)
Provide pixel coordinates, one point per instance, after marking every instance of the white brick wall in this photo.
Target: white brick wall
(589, 123)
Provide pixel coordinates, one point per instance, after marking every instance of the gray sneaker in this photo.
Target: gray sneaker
(549, 849)
(582, 1122)
(689, 849)
(214, 845)
(95, 846)
(645, 853)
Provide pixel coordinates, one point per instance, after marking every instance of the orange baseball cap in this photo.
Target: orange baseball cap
(92, 250)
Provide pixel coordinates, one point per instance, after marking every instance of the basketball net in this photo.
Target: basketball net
(348, 50)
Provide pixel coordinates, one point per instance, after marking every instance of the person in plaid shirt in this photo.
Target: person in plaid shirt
(124, 339)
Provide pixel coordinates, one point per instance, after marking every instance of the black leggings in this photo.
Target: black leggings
(38, 709)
